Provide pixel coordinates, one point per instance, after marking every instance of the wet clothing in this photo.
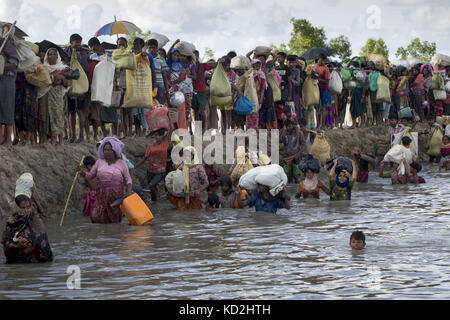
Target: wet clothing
(30, 227)
(310, 193)
(340, 192)
(270, 204)
(226, 201)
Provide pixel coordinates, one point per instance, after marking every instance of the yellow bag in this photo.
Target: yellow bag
(139, 92)
(243, 164)
(383, 92)
(80, 86)
(275, 88)
(310, 92)
(220, 101)
(434, 146)
(38, 76)
(124, 59)
(320, 149)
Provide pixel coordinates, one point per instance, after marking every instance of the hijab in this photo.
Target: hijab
(259, 73)
(342, 185)
(59, 65)
(116, 145)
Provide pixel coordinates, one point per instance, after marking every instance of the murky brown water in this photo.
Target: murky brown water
(302, 253)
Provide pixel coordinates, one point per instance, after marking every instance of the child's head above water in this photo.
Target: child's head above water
(357, 240)
(213, 200)
(226, 184)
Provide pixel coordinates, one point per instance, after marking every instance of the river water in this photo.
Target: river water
(302, 253)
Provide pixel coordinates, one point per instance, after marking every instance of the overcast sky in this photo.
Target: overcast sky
(238, 24)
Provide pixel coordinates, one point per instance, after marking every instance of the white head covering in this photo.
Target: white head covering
(59, 65)
(24, 185)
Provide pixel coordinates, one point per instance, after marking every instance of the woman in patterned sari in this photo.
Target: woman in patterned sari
(111, 172)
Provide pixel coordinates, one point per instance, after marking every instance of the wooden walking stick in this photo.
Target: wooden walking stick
(70, 193)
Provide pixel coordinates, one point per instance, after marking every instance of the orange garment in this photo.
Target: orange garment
(180, 204)
(243, 195)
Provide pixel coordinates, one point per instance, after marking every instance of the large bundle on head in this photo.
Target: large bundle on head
(240, 62)
(321, 148)
(271, 176)
(27, 57)
(162, 39)
(262, 51)
(396, 154)
(440, 59)
(308, 162)
(185, 48)
(379, 60)
(413, 61)
(343, 163)
(402, 63)
(175, 183)
(158, 118)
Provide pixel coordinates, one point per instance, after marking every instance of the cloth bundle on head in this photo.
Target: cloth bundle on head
(24, 185)
(186, 166)
(116, 145)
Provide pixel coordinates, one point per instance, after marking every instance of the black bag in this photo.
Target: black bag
(343, 163)
(308, 162)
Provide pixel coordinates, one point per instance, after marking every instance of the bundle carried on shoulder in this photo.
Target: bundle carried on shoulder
(321, 148)
(434, 144)
(336, 86)
(80, 86)
(38, 76)
(441, 59)
(124, 59)
(185, 48)
(310, 92)
(272, 176)
(396, 154)
(262, 51)
(276, 91)
(158, 118)
(343, 163)
(139, 85)
(240, 62)
(308, 162)
(220, 88)
(27, 57)
(246, 84)
(103, 82)
(175, 183)
(437, 81)
(162, 39)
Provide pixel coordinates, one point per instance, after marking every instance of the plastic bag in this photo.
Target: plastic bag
(308, 162)
(272, 176)
(350, 84)
(437, 81)
(346, 75)
(162, 39)
(240, 62)
(124, 59)
(321, 148)
(405, 113)
(220, 101)
(383, 92)
(373, 79)
(38, 76)
(220, 88)
(243, 106)
(262, 51)
(434, 148)
(359, 75)
(311, 93)
(177, 99)
(139, 85)
(439, 94)
(175, 183)
(158, 118)
(185, 48)
(335, 83)
(27, 58)
(80, 86)
(103, 82)
(275, 88)
(343, 163)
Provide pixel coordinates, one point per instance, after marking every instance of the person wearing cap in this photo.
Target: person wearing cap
(78, 105)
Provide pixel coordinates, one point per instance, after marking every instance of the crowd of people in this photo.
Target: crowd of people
(285, 92)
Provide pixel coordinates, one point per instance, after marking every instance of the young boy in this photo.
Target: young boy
(357, 240)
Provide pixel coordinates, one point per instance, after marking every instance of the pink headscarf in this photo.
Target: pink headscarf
(116, 145)
(426, 65)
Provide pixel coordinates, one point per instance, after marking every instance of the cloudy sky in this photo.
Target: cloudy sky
(238, 24)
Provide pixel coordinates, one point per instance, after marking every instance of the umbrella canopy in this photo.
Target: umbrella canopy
(108, 46)
(117, 27)
(18, 32)
(313, 53)
(45, 45)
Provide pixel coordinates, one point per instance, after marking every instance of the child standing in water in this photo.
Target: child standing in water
(341, 185)
(89, 194)
(357, 240)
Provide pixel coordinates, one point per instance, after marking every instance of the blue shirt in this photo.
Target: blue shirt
(271, 204)
(152, 62)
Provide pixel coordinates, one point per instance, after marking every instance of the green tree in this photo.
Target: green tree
(423, 51)
(341, 47)
(375, 46)
(207, 55)
(305, 36)
(282, 47)
(144, 35)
